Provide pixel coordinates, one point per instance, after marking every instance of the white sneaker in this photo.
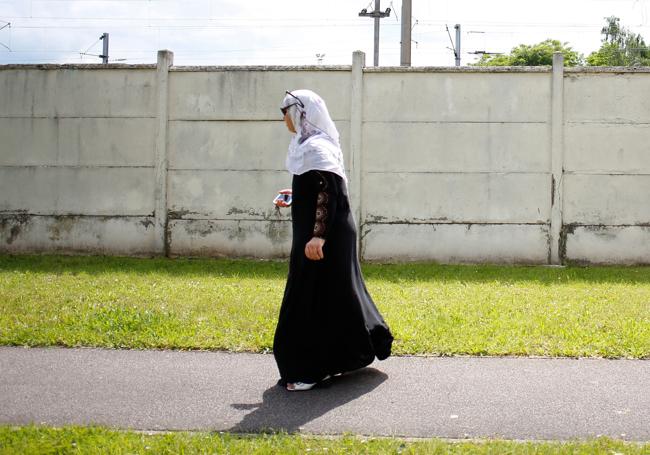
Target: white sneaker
(301, 386)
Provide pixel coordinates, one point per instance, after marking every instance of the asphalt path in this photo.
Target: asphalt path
(456, 397)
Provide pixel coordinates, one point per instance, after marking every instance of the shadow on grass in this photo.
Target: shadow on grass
(281, 410)
(277, 269)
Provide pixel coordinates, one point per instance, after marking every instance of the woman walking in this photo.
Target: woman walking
(328, 323)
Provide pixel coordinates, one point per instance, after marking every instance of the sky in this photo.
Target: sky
(296, 32)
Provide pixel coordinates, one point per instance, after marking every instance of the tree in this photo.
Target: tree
(533, 55)
(621, 47)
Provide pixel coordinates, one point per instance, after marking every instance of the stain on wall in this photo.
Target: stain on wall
(11, 226)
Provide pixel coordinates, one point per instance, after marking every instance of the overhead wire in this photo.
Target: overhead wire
(426, 27)
(296, 23)
(7, 25)
(186, 27)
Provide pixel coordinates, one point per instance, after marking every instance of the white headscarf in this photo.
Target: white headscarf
(315, 146)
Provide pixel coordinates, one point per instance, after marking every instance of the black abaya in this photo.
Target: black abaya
(328, 322)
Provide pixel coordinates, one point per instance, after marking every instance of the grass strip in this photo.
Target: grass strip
(233, 305)
(96, 440)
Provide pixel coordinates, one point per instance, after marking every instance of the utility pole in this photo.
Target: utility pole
(457, 47)
(376, 14)
(405, 50)
(104, 55)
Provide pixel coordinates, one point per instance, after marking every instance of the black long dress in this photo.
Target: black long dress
(328, 322)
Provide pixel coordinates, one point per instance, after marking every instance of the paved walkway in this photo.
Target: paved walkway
(513, 398)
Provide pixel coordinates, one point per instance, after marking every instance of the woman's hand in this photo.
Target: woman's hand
(279, 202)
(314, 249)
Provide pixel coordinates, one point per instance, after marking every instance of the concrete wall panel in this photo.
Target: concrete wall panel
(77, 141)
(78, 93)
(227, 195)
(606, 199)
(607, 148)
(607, 98)
(235, 145)
(268, 239)
(457, 97)
(609, 244)
(456, 147)
(464, 198)
(77, 191)
(453, 243)
(252, 95)
(77, 234)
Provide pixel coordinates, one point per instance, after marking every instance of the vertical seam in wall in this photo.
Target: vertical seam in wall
(557, 244)
(165, 186)
(165, 60)
(356, 144)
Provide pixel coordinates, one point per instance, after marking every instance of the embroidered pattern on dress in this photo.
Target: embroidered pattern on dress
(321, 210)
(321, 214)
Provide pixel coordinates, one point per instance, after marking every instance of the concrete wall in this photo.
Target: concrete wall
(607, 167)
(513, 165)
(76, 159)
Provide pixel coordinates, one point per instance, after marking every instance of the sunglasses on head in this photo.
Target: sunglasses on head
(298, 102)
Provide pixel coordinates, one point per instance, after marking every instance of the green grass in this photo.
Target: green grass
(233, 305)
(76, 440)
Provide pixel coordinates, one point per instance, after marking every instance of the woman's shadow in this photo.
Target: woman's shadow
(281, 410)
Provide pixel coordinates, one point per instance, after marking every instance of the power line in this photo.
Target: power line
(518, 25)
(110, 1)
(207, 24)
(303, 22)
(299, 23)
(7, 24)
(91, 46)
(422, 24)
(227, 22)
(190, 27)
(189, 18)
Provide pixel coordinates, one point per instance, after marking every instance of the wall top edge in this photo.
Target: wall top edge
(606, 69)
(368, 69)
(75, 66)
(99, 66)
(418, 69)
(261, 68)
(504, 69)
(458, 69)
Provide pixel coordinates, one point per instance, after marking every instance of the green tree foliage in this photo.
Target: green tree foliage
(533, 55)
(621, 47)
